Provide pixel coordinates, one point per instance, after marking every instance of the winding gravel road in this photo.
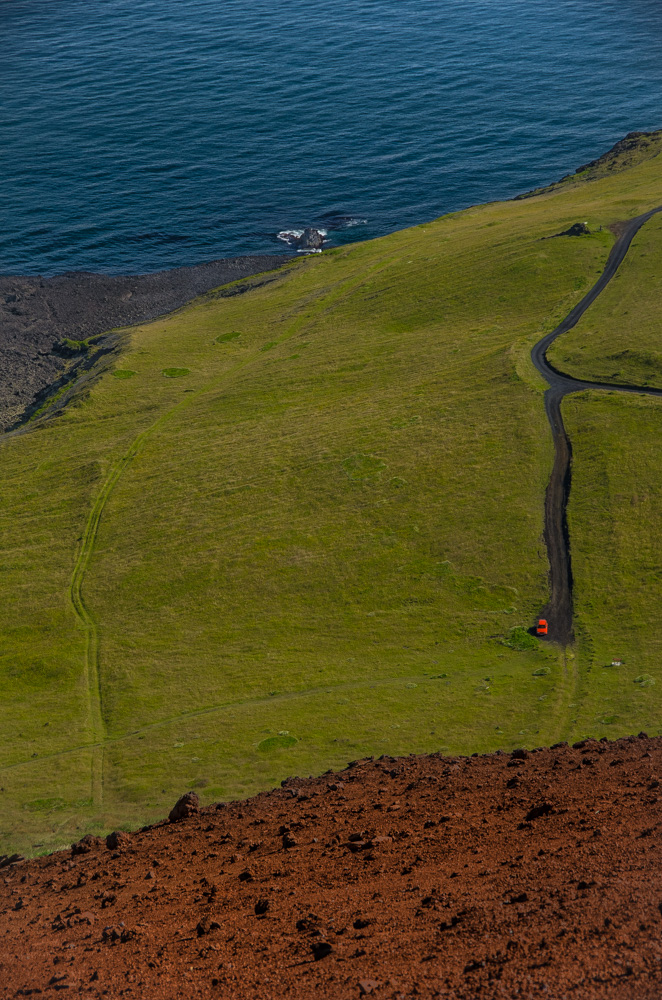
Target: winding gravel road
(559, 609)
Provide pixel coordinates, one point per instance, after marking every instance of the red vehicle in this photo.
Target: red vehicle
(541, 628)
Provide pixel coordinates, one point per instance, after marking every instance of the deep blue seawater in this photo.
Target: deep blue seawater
(142, 134)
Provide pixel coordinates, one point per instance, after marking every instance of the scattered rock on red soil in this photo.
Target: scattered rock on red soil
(476, 886)
(116, 840)
(185, 806)
(87, 843)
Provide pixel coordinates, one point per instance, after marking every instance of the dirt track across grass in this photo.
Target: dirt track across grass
(558, 611)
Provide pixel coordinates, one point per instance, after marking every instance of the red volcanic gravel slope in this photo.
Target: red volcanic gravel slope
(527, 875)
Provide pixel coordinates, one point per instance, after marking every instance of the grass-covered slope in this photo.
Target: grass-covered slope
(615, 520)
(306, 541)
(634, 149)
(620, 338)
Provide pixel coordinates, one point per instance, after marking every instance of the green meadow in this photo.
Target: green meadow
(620, 338)
(302, 524)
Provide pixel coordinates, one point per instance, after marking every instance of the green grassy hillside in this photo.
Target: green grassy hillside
(615, 521)
(620, 338)
(308, 527)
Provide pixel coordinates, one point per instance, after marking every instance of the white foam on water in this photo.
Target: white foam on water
(289, 235)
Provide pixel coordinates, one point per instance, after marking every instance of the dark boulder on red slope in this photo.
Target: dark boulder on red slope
(449, 896)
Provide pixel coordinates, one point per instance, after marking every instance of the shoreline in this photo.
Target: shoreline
(37, 313)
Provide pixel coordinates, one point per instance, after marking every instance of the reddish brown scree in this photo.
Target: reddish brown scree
(524, 875)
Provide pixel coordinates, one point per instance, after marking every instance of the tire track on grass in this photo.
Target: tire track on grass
(87, 622)
(92, 673)
(559, 609)
(229, 706)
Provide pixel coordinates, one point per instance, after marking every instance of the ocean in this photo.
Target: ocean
(137, 135)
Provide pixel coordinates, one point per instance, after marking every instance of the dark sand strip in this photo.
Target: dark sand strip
(36, 313)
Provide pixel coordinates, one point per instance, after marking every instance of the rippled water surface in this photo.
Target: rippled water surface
(141, 134)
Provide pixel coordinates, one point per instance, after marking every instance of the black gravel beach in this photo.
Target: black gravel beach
(36, 314)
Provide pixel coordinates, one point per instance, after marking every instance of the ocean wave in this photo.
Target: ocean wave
(337, 220)
(290, 235)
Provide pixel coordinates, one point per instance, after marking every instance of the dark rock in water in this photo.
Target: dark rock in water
(310, 239)
(187, 805)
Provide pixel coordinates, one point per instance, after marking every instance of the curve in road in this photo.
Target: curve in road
(558, 610)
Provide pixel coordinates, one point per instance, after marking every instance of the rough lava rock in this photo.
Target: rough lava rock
(578, 229)
(187, 805)
(35, 312)
(117, 839)
(310, 239)
(86, 844)
(450, 897)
